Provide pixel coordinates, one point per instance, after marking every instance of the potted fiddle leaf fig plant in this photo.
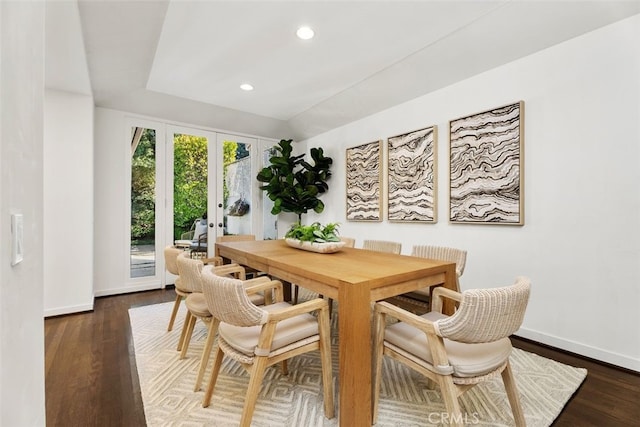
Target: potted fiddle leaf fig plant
(293, 184)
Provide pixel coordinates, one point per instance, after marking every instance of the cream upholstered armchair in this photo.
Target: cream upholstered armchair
(196, 238)
(171, 254)
(382, 246)
(171, 264)
(458, 351)
(191, 270)
(239, 238)
(183, 290)
(459, 256)
(349, 242)
(258, 337)
(190, 283)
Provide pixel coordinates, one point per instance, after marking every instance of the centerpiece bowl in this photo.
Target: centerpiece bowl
(319, 247)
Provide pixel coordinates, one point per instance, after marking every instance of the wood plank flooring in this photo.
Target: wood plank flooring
(91, 377)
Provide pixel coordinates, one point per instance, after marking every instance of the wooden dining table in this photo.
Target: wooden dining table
(355, 278)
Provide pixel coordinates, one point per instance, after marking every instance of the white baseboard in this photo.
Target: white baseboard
(128, 289)
(68, 310)
(581, 349)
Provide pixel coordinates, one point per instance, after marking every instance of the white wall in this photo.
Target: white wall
(68, 203)
(110, 216)
(21, 291)
(580, 244)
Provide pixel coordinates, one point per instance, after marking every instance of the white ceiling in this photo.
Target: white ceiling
(206, 50)
(184, 60)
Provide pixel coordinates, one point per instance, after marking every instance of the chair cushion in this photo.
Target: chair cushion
(197, 305)
(288, 331)
(467, 360)
(180, 289)
(257, 299)
(423, 291)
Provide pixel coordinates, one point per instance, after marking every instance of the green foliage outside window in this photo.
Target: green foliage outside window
(190, 170)
(143, 185)
(189, 181)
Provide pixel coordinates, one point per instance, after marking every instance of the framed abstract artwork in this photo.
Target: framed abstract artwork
(412, 176)
(487, 167)
(364, 182)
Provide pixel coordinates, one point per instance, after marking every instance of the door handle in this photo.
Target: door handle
(211, 224)
(219, 225)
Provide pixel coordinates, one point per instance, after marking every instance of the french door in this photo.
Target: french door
(145, 210)
(172, 183)
(182, 176)
(237, 197)
(191, 182)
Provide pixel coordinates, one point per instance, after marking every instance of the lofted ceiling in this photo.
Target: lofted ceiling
(185, 60)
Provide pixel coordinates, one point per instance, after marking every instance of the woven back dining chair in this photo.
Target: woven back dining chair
(251, 272)
(171, 264)
(349, 242)
(258, 337)
(458, 351)
(442, 253)
(197, 306)
(190, 283)
(382, 246)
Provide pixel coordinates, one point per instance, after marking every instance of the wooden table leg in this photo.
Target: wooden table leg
(450, 282)
(286, 290)
(354, 329)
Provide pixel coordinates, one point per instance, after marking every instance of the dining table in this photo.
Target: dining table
(355, 278)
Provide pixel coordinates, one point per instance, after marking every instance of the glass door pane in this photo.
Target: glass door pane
(238, 172)
(187, 183)
(270, 221)
(190, 188)
(142, 256)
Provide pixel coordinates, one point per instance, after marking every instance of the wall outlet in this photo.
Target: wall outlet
(17, 241)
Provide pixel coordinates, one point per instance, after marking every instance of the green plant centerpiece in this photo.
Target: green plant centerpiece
(293, 184)
(315, 232)
(314, 237)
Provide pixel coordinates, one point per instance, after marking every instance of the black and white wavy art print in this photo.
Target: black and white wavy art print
(412, 176)
(364, 182)
(486, 167)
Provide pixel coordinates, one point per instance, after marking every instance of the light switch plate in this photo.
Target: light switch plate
(17, 234)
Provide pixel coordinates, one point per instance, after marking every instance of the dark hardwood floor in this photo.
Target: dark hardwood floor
(91, 377)
(90, 373)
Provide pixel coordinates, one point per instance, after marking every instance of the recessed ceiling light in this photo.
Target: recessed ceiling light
(246, 86)
(305, 33)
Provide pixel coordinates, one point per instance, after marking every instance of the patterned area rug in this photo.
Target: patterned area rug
(296, 400)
